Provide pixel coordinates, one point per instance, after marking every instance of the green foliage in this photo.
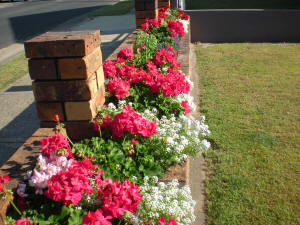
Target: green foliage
(142, 55)
(13, 70)
(44, 211)
(114, 158)
(120, 8)
(154, 41)
(143, 98)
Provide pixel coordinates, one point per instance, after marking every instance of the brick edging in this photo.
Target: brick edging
(22, 160)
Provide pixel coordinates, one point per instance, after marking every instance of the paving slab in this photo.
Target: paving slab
(18, 116)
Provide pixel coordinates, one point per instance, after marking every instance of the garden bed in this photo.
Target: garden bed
(26, 156)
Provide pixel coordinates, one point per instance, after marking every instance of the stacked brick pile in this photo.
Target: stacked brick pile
(68, 78)
(163, 3)
(145, 9)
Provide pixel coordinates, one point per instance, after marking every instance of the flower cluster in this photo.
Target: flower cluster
(172, 83)
(109, 68)
(169, 22)
(97, 217)
(150, 24)
(167, 200)
(171, 221)
(116, 199)
(118, 87)
(47, 166)
(129, 121)
(70, 185)
(58, 144)
(126, 54)
(3, 179)
(119, 197)
(164, 57)
(176, 28)
(167, 12)
(180, 136)
(23, 221)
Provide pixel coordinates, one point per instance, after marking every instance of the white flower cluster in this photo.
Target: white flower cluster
(45, 169)
(182, 136)
(185, 24)
(167, 200)
(187, 97)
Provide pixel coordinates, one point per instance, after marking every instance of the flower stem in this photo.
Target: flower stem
(15, 207)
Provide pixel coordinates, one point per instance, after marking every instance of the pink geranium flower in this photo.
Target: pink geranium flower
(23, 221)
(118, 87)
(96, 218)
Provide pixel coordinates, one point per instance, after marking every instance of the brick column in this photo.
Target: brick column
(68, 80)
(163, 3)
(145, 9)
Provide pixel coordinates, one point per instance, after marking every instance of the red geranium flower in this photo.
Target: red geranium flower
(4, 179)
(96, 218)
(23, 221)
(162, 221)
(125, 53)
(118, 87)
(187, 108)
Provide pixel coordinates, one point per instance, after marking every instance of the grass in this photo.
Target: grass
(13, 70)
(251, 98)
(120, 8)
(243, 4)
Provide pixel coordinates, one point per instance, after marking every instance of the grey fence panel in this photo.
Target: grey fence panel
(257, 25)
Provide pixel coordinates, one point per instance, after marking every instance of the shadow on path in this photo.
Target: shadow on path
(15, 133)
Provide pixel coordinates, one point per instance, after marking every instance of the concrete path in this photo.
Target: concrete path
(18, 117)
(20, 22)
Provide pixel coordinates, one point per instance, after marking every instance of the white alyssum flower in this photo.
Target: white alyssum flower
(179, 137)
(168, 200)
(185, 24)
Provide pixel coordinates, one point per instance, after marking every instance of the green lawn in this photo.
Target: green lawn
(13, 70)
(243, 4)
(251, 98)
(120, 8)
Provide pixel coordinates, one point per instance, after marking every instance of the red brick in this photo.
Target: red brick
(139, 22)
(23, 159)
(163, 4)
(151, 14)
(80, 67)
(48, 124)
(139, 6)
(71, 90)
(76, 130)
(151, 5)
(43, 132)
(4, 204)
(79, 130)
(42, 69)
(86, 110)
(100, 77)
(47, 110)
(62, 44)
